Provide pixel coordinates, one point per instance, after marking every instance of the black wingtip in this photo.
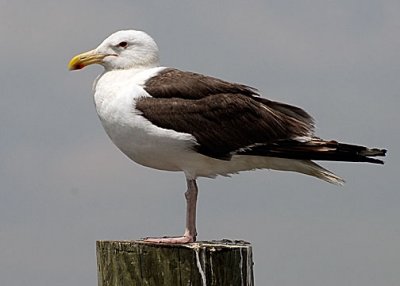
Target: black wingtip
(374, 152)
(377, 161)
(317, 150)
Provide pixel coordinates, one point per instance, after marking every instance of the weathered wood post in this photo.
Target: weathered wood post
(215, 263)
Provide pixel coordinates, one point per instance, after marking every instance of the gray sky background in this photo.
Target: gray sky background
(64, 185)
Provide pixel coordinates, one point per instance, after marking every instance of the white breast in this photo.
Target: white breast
(115, 96)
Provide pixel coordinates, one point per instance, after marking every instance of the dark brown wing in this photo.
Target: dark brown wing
(228, 118)
(224, 123)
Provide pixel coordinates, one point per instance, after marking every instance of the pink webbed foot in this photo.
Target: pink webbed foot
(171, 240)
(190, 230)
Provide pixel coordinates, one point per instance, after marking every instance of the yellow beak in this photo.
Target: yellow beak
(82, 60)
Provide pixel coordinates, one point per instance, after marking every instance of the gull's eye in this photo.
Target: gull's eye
(123, 44)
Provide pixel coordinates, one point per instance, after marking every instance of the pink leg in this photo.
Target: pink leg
(190, 230)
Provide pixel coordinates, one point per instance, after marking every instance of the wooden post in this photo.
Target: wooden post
(215, 263)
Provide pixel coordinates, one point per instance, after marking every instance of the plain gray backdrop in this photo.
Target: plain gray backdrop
(64, 185)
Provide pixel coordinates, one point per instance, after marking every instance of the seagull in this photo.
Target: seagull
(173, 120)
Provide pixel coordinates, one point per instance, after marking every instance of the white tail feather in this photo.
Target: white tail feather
(319, 172)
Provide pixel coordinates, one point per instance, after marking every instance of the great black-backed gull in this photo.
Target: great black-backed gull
(175, 120)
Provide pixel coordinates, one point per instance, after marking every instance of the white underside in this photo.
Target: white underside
(165, 149)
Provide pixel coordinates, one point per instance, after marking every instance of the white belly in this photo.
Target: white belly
(151, 148)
